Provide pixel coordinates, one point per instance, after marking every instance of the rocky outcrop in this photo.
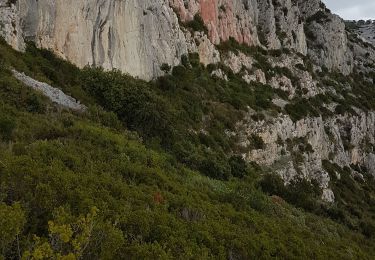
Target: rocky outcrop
(366, 30)
(345, 140)
(54, 94)
(198, 42)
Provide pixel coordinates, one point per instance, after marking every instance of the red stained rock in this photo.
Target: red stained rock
(221, 21)
(209, 13)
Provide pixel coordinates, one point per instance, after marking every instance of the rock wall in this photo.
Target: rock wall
(10, 28)
(137, 37)
(134, 36)
(281, 25)
(329, 44)
(366, 31)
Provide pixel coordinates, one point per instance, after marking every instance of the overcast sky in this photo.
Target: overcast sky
(352, 10)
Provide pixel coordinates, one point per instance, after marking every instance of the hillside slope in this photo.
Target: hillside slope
(80, 185)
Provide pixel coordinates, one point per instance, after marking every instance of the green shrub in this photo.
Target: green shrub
(256, 142)
(7, 127)
(165, 67)
(36, 104)
(272, 184)
(319, 17)
(238, 166)
(197, 24)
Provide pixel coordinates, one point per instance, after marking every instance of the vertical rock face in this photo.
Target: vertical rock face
(281, 25)
(267, 25)
(10, 28)
(134, 36)
(328, 45)
(137, 37)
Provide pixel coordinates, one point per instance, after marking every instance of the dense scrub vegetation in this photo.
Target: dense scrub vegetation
(128, 177)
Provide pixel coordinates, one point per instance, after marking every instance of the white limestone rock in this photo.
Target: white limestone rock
(134, 36)
(10, 28)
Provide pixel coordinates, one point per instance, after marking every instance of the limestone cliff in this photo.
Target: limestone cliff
(133, 36)
(137, 37)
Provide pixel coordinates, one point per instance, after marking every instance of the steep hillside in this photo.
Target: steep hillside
(81, 185)
(213, 129)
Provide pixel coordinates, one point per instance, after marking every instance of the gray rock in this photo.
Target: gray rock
(10, 28)
(329, 46)
(54, 94)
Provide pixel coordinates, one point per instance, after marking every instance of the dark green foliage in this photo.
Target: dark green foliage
(234, 46)
(298, 192)
(256, 142)
(165, 67)
(300, 109)
(319, 17)
(7, 126)
(238, 166)
(273, 185)
(197, 24)
(355, 202)
(35, 103)
(130, 99)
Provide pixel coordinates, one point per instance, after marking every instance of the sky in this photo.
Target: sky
(352, 10)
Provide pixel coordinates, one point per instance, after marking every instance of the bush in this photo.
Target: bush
(35, 103)
(238, 167)
(299, 192)
(256, 142)
(197, 24)
(272, 184)
(7, 126)
(165, 67)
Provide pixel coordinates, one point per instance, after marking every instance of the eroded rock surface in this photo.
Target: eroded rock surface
(328, 138)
